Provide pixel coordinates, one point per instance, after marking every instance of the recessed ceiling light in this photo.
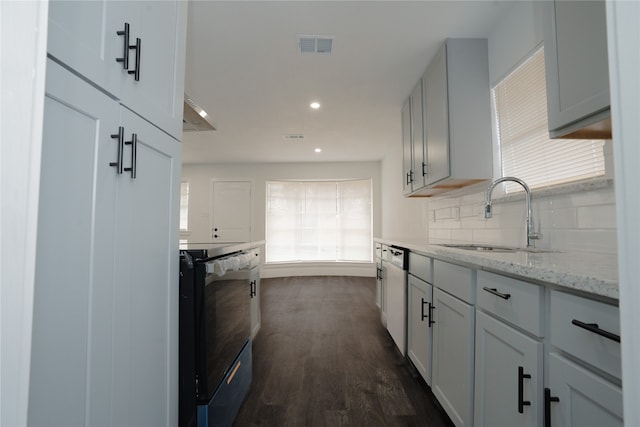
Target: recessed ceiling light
(203, 114)
(318, 150)
(315, 105)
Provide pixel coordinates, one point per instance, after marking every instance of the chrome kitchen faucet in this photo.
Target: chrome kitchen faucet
(531, 233)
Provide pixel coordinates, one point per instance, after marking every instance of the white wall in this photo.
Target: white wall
(403, 218)
(201, 176)
(22, 77)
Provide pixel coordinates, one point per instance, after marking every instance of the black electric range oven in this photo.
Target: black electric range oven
(215, 330)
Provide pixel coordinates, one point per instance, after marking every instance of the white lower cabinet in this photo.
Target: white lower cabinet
(508, 375)
(453, 355)
(583, 363)
(254, 283)
(419, 325)
(577, 397)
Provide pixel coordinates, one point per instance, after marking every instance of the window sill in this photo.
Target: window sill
(555, 190)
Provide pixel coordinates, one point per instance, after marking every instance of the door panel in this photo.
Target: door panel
(146, 288)
(74, 273)
(231, 211)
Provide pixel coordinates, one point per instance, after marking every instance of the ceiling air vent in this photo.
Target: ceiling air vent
(293, 137)
(315, 44)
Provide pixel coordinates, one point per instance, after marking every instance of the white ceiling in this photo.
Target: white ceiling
(244, 69)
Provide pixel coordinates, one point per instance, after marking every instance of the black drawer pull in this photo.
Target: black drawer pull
(134, 148)
(547, 406)
(431, 308)
(423, 316)
(495, 292)
(521, 402)
(136, 71)
(593, 327)
(118, 163)
(125, 53)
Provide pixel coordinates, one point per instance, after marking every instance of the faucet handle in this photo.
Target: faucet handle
(487, 210)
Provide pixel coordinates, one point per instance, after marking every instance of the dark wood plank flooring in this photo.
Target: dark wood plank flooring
(322, 358)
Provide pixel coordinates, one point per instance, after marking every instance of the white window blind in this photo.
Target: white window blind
(520, 105)
(319, 221)
(184, 206)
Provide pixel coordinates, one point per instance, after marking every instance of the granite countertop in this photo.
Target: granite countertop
(595, 274)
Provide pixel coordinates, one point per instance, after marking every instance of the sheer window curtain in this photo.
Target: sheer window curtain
(310, 221)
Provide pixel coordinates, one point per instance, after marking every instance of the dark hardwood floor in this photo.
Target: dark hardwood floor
(322, 358)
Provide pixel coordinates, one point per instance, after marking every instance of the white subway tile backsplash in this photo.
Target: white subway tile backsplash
(583, 220)
(600, 216)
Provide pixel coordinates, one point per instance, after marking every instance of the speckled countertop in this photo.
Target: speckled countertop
(586, 272)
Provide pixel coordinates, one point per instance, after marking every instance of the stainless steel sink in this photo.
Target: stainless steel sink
(492, 248)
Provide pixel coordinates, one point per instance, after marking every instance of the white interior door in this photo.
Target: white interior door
(231, 211)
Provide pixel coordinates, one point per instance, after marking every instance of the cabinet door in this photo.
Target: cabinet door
(383, 292)
(407, 151)
(417, 137)
(501, 352)
(145, 343)
(84, 36)
(576, 61)
(436, 118)
(254, 280)
(159, 93)
(379, 289)
(419, 330)
(71, 343)
(585, 399)
(453, 356)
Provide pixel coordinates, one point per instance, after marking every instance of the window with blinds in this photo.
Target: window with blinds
(184, 206)
(318, 221)
(526, 152)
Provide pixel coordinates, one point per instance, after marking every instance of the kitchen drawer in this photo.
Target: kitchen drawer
(515, 301)
(597, 350)
(421, 267)
(456, 280)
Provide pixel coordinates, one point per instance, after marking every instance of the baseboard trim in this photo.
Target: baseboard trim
(318, 269)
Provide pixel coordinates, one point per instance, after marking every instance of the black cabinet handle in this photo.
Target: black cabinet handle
(118, 163)
(495, 292)
(521, 402)
(134, 148)
(252, 286)
(125, 53)
(547, 406)
(431, 308)
(136, 71)
(378, 273)
(408, 179)
(423, 316)
(410, 176)
(424, 172)
(593, 327)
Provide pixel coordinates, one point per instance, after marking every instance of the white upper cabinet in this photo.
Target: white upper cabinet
(436, 119)
(407, 151)
(98, 38)
(417, 137)
(456, 120)
(576, 60)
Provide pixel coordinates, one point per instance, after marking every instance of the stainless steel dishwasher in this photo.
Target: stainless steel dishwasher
(396, 296)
